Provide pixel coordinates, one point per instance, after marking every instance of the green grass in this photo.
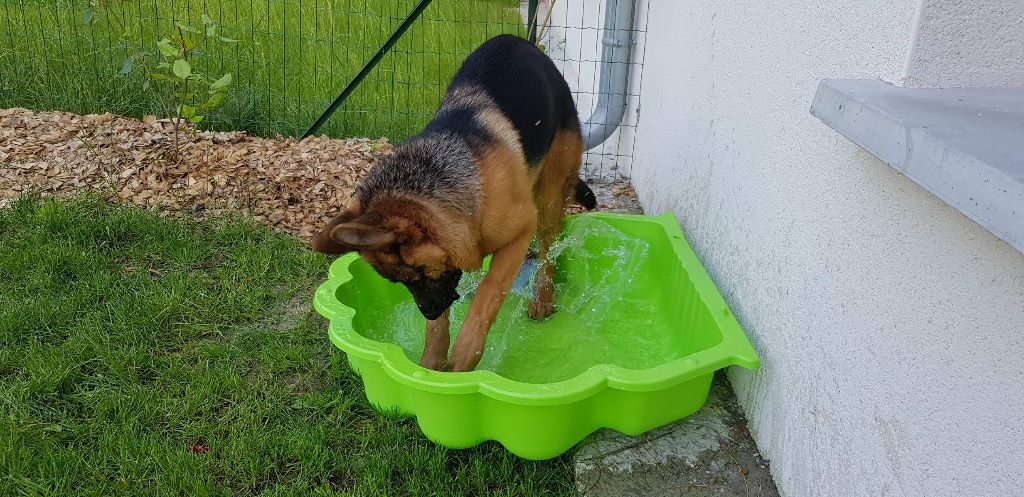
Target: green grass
(126, 338)
(292, 59)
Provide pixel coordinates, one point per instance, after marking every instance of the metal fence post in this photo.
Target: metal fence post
(370, 64)
(531, 20)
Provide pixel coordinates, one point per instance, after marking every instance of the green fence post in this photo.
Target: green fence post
(531, 19)
(370, 64)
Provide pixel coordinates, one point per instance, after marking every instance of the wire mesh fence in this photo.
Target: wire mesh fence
(291, 58)
(570, 31)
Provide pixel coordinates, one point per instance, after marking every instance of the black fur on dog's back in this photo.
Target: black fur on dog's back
(507, 73)
(525, 86)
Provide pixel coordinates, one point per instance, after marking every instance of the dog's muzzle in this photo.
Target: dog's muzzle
(434, 296)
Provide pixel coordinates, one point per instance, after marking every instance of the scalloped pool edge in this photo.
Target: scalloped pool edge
(539, 421)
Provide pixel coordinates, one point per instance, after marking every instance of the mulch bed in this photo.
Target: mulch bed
(294, 186)
(289, 184)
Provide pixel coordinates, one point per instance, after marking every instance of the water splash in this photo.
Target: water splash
(604, 313)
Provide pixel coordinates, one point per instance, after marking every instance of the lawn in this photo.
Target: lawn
(291, 59)
(147, 356)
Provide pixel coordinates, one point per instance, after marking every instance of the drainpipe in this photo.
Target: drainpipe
(614, 79)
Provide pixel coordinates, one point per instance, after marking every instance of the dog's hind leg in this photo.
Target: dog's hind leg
(557, 182)
(549, 224)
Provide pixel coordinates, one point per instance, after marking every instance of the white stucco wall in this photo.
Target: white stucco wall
(890, 327)
(975, 43)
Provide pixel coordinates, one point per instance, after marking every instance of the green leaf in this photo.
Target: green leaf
(223, 82)
(185, 27)
(214, 100)
(127, 66)
(162, 77)
(211, 27)
(87, 16)
(188, 111)
(182, 69)
(145, 85)
(163, 65)
(166, 48)
(195, 119)
(227, 40)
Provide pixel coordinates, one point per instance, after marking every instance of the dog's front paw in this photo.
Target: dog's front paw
(540, 308)
(466, 353)
(462, 362)
(435, 363)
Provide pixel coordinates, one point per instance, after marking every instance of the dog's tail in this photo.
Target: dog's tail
(585, 196)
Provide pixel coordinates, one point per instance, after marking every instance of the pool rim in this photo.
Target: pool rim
(733, 349)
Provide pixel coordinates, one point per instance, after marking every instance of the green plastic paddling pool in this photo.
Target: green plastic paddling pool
(638, 332)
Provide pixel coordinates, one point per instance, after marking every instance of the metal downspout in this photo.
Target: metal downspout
(614, 74)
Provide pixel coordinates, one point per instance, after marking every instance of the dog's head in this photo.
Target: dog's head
(395, 238)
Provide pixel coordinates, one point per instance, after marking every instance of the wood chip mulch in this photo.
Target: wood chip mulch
(291, 185)
(294, 186)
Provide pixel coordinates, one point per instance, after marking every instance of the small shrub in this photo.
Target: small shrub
(184, 92)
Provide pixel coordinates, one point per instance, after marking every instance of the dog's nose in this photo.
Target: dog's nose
(432, 306)
(432, 312)
(434, 296)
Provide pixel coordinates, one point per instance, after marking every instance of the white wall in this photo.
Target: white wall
(958, 43)
(890, 327)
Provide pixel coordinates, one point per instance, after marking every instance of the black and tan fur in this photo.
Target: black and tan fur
(493, 169)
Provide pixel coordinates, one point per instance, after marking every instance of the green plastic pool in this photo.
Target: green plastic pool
(638, 332)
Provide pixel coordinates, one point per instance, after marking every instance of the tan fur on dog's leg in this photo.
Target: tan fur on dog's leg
(549, 225)
(469, 345)
(555, 184)
(435, 349)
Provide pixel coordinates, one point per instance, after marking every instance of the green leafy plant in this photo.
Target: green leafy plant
(185, 92)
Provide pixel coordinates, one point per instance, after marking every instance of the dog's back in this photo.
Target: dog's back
(524, 85)
(507, 92)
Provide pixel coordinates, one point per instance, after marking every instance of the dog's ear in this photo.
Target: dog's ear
(322, 241)
(362, 237)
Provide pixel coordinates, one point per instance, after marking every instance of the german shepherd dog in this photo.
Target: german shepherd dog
(495, 166)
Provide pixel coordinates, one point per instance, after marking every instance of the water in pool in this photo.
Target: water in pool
(605, 313)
